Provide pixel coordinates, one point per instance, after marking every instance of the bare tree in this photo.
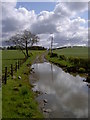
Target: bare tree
(24, 40)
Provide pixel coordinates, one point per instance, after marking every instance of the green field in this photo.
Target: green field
(81, 52)
(71, 59)
(18, 93)
(10, 57)
(18, 100)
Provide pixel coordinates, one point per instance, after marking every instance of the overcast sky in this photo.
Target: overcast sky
(68, 21)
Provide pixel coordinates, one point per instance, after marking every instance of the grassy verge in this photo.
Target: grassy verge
(0, 103)
(70, 64)
(57, 61)
(18, 100)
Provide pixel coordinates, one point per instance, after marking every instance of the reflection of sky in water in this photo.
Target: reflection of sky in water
(69, 91)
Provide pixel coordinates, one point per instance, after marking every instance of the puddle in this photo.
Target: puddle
(66, 95)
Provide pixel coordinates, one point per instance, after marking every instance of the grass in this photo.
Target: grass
(0, 83)
(61, 63)
(18, 100)
(12, 54)
(10, 57)
(81, 52)
(0, 103)
(73, 60)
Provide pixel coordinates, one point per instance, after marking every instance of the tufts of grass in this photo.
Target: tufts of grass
(18, 100)
(71, 63)
(24, 91)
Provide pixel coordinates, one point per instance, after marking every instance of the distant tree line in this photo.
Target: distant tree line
(68, 47)
(12, 48)
(37, 48)
(30, 48)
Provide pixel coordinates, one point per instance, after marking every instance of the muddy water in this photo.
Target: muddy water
(66, 95)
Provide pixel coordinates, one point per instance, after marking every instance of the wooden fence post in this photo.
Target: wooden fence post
(5, 79)
(11, 70)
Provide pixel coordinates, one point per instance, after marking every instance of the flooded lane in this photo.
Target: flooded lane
(66, 95)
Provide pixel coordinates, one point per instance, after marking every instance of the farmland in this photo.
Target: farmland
(81, 52)
(10, 57)
(18, 93)
(71, 59)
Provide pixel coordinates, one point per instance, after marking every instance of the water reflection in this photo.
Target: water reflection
(51, 72)
(67, 95)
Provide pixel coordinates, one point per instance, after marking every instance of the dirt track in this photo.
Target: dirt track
(40, 58)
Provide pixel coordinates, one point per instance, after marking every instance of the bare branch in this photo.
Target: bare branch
(24, 40)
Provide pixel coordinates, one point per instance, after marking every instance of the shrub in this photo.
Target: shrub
(62, 57)
(71, 69)
(84, 63)
(71, 59)
(53, 55)
(81, 70)
(75, 61)
(62, 64)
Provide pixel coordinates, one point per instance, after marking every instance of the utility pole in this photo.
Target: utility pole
(51, 44)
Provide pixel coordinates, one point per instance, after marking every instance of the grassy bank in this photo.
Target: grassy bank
(80, 52)
(0, 103)
(76, 63)
(18, 99)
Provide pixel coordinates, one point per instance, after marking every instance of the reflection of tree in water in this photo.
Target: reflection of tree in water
(51, 72)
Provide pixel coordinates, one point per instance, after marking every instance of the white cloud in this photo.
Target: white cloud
(14, 20)
(61, 10)
(64, 22)
(77, 7)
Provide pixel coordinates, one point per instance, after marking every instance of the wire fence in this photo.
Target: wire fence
(10, 71)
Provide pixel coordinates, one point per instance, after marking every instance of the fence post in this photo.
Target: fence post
(16, 66)
(11, 70)
(5, 79)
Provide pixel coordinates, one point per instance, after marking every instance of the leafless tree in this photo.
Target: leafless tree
(24, 40)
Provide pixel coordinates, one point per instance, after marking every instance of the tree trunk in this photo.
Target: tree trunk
(27, 49)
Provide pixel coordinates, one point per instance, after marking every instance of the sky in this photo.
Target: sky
(67, 21)
(37, 6)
